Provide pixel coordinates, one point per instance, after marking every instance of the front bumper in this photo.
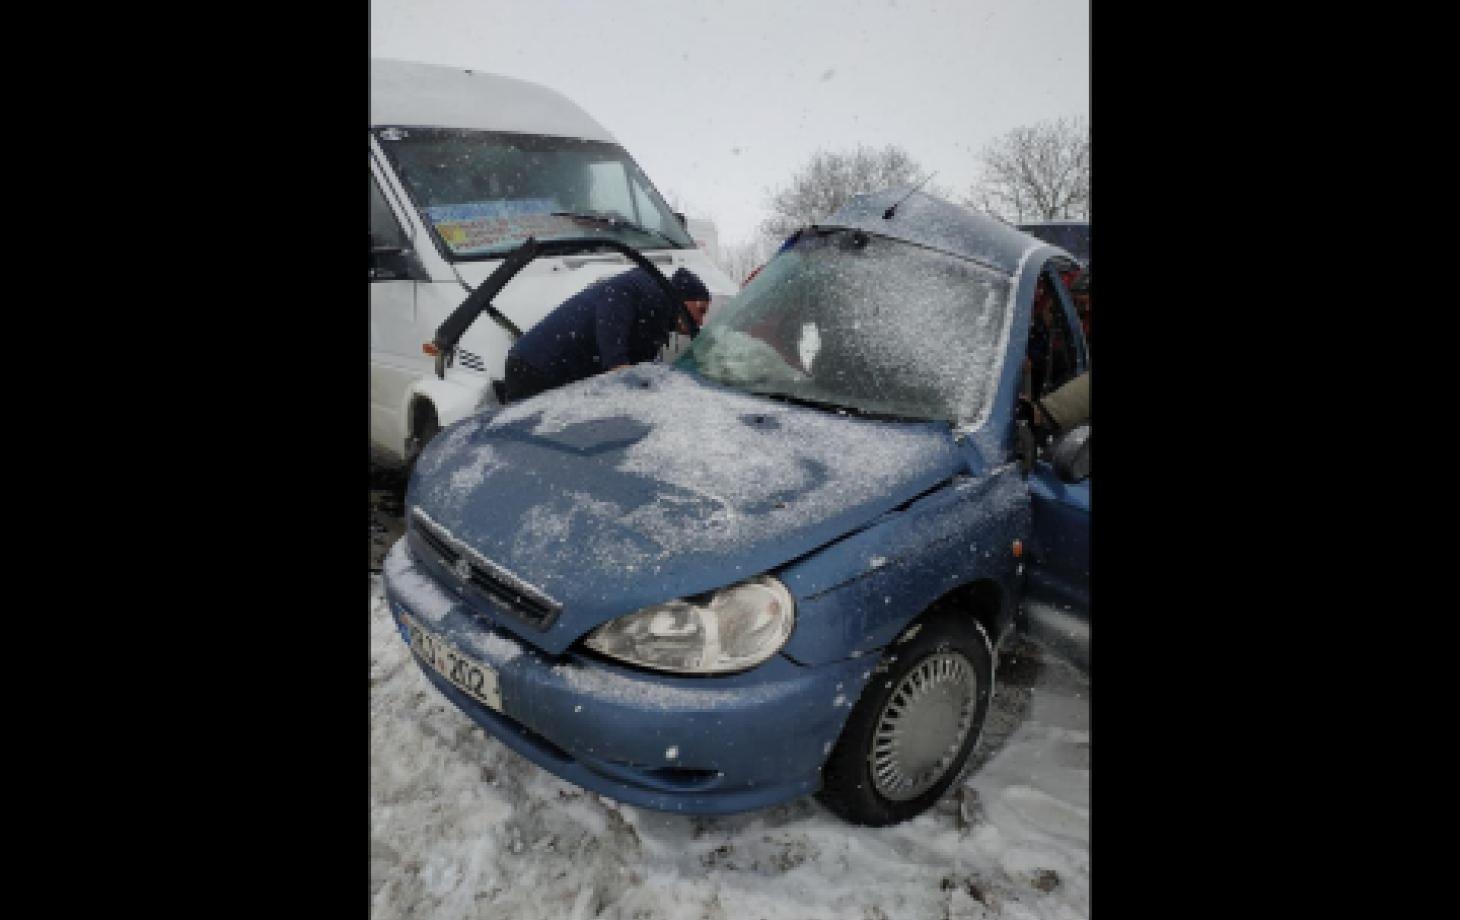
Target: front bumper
(699, 745)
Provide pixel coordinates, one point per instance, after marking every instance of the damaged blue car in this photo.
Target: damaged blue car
(781, 566)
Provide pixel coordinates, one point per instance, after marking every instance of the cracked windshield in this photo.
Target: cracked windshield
(864, 323)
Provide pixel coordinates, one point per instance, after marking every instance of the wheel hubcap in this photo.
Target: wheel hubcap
(923, 726)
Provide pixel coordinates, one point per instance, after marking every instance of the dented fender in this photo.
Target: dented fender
(855, 596)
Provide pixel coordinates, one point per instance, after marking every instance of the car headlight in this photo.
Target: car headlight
(737, 628)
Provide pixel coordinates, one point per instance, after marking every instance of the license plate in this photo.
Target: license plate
(473, 678)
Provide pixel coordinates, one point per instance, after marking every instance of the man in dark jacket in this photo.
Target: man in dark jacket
(611, 323)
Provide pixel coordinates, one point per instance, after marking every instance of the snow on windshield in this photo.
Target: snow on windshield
(866, 322)
(729, 468)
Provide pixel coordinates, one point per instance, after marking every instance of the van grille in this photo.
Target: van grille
(481, 579)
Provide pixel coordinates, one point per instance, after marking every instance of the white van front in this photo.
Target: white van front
(464, 167)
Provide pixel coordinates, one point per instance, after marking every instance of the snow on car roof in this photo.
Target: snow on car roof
(928, 221)
(410, 93)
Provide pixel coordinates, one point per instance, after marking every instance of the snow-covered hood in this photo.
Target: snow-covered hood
(639, 486)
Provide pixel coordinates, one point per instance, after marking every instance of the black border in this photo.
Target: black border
(235, 713)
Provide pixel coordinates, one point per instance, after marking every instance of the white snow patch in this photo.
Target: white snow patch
(490, 647)
(724, 451)
(607, 685)
(421, 595)
(474, 473)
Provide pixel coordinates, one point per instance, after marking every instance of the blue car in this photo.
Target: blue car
(781, 566)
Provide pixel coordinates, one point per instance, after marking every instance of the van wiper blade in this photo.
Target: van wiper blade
(616, 221)
(837, 408)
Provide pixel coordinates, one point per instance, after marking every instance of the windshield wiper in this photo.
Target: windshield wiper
(616, 221)
(837, 408)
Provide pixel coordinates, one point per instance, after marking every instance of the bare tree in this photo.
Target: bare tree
(740, 259)
(1036, 172)
(829, 179)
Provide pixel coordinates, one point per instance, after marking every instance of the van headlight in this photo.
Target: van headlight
(737, 628)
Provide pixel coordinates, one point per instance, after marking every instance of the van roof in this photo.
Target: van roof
(411, 93)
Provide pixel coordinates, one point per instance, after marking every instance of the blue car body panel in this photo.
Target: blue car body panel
(1073, 236)
(610, 495)
(639, 539)
(855, 597)
(1057, 587)
(1060, 568)
(932, 222)
(707, 745)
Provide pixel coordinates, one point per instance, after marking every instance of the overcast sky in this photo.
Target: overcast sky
(721, 101)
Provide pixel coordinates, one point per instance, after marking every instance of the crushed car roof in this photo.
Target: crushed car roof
(929, 221)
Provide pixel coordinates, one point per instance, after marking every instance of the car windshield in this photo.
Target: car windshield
(863, 322)
(484, 193)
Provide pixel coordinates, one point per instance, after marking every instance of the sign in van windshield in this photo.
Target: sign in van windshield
(481, 226)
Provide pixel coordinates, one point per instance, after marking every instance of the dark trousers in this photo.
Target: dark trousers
(524, 380)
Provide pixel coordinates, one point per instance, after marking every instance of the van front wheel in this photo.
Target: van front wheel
(423, 428)
(910, 735)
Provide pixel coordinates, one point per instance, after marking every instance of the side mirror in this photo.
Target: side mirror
(1071, 454)
(393, 262)
(683, 222)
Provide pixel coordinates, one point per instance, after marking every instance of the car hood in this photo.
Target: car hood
(639, 486)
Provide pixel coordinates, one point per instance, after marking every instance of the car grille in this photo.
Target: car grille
(483, 579)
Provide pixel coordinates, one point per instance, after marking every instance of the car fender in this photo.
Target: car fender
(855, 596)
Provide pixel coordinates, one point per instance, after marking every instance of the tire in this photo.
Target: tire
(931, 687)
(426, 428)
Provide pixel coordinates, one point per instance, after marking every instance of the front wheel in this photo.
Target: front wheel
(910, 735)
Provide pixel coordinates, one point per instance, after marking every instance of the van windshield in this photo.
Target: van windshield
(845, 319)
(484, 193)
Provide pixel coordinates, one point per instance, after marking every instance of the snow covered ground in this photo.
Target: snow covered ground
(461, 827)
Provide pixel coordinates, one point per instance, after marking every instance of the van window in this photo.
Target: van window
(608, 190)
(649, 216)
(384, 228)
(483, 193)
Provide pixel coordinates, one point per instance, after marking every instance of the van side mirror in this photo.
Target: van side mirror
(1071, 454)
(393, 262)
(683, 221)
